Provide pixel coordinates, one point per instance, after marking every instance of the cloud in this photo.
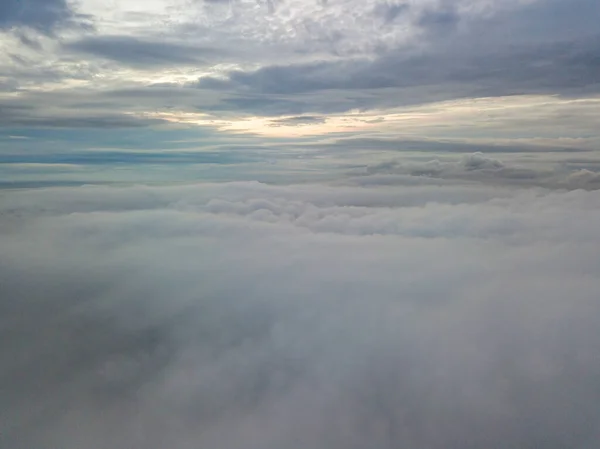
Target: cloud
(132, 157)
(443, 20)
(461, 55)
(243, 315)
(299, 121)
(430, 145)
(558, 68)
(141, 52)
(28, 117)
(42, 15)
(465, 167)
(310, 58)
(478, 161)
(584, 179)
(475, 167)
(390, 11)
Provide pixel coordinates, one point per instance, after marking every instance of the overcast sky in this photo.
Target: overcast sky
(92, 83)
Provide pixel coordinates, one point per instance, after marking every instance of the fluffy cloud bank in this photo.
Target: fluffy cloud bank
(244, 315)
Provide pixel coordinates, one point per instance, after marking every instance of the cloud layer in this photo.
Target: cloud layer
(516, 76)
(286, 58)
(243, 315)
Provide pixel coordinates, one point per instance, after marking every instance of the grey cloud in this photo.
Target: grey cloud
(29, 41)
(42, 15)
(141, 52)
(390, 11)
(324, 317)
(56, 109)
(439, 20)
(477, 167)
(281, 79)
(584, 179)
(109, 158)
(476, 60)
(29, 117)
(477, 161)
(562, 68)
(267, 105)
(8, 85)
(538, 48)
(542, 47)
(432, 145)
(299, 120)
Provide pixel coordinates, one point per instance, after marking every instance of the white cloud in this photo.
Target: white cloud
(243, 315)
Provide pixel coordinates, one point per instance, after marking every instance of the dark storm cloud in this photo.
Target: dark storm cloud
(133, 51)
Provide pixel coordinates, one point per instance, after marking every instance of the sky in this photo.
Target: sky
(168, 90)
(298, 224)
